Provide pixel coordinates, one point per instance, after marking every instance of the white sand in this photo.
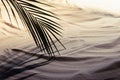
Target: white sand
(92, 41)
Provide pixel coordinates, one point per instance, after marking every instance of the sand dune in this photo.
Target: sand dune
(92, 41)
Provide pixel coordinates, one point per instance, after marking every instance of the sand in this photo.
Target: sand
(92, 41)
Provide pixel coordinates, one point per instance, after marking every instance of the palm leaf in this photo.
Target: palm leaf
(36, 20)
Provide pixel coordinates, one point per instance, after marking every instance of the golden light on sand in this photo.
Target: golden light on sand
(5, 17)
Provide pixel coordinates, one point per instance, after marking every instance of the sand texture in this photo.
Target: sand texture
(92, 41)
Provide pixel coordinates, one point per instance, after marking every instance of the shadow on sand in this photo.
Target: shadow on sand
(14, 62)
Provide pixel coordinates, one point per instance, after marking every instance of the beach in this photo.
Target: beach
(91, 38)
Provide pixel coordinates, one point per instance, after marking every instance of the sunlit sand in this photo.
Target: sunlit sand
(91, 38)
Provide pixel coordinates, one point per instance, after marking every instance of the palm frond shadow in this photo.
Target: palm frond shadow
(12, 65)
(25, 77)
(37, 20)
(43, 30)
